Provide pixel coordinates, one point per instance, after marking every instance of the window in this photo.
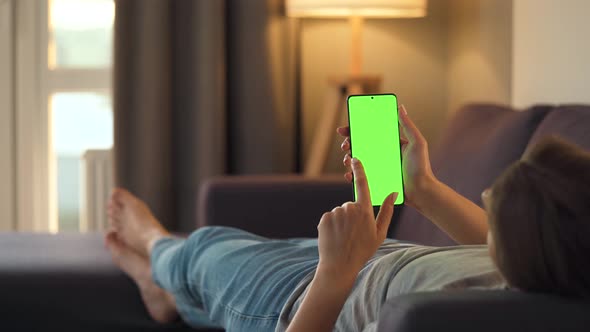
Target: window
(77, 95)
(81, 34)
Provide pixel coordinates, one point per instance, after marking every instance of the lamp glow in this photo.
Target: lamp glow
(359, 8)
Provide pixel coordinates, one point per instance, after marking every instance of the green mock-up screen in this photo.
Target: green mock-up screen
(374, 135)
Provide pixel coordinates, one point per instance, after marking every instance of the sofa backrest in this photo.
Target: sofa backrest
(480, 141)
(571, 122)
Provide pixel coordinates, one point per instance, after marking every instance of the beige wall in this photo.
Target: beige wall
(480, 52)
(551, 52)
(409, 53)
(6, 119)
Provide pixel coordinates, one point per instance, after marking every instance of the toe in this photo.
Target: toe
(123, 199)
(114, 202)
(114, 214)
(112, 240)
(127, 199)
(118, 196)
(115, 223)
(109, 237)
(113, 210)
(115, 193)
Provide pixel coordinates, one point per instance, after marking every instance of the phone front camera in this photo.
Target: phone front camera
(372, 97)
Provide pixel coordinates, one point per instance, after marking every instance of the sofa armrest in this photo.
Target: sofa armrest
(68, 282)
(483, 311)
(271, 206)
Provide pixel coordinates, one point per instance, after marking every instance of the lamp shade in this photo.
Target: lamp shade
(361, 8)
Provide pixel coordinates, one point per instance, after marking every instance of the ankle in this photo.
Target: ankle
(153, 238)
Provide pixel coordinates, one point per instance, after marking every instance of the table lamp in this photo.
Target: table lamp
(356, 11)
(355, 82)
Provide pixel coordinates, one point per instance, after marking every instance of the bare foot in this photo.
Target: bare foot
(159, 303)
(133, 222)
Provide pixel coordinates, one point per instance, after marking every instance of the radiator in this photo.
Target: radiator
(97, 184)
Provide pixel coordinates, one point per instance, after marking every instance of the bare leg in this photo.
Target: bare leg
(134, 230)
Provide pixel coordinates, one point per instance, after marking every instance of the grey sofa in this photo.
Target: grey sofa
(66, 282)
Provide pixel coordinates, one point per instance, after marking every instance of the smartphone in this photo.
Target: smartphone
(375, 141)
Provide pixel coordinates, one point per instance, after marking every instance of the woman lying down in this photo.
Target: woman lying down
(535, 225)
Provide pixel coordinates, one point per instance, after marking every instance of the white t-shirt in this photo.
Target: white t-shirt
(401, 268)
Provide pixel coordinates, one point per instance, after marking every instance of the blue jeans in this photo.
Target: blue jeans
(230, 278)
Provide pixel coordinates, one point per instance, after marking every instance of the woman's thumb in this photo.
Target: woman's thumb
(386, 213)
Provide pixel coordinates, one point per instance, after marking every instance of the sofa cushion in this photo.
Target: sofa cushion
(478, 144)
(571, 122)
(67, 282)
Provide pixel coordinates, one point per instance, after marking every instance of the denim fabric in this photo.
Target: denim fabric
(230, 278)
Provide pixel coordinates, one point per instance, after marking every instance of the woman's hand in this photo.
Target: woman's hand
(350, 235)
(417, 173)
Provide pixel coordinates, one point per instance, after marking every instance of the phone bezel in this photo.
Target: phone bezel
(399, 137)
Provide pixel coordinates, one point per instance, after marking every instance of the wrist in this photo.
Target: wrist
(336, 275)
(427, 189)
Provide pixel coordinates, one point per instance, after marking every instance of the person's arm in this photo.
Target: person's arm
(322, 303)
(461, 219)
(348, 237)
